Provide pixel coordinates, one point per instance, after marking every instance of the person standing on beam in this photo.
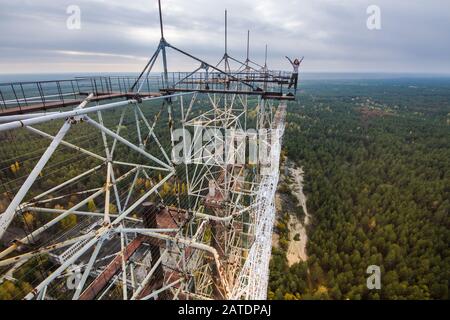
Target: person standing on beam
(294, 77)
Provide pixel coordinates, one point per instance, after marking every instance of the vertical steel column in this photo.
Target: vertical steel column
(163, 44)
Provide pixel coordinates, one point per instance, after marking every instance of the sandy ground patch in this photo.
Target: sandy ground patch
(297, 249)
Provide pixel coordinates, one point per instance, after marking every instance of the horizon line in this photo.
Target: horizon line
(306, 72)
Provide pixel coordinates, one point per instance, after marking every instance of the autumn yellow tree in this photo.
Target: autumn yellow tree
(69, 222)
(28, 218)
(15, 167)
(91, 206)
(112, 208)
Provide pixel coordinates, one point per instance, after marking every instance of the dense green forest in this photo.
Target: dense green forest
(376, 156)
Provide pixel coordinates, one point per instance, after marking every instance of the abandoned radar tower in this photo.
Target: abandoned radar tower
(96, 207)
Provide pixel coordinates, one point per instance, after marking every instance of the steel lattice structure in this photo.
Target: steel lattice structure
(125, 220)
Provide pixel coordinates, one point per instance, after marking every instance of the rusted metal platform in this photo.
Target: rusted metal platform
(113, 267)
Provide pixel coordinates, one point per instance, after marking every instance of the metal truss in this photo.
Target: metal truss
(148, 227)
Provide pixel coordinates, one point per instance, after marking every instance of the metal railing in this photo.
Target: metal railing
(270, 81)
(20, 95)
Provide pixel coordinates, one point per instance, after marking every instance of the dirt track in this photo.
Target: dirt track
(297, 249)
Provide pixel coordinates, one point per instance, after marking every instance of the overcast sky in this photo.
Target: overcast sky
(119, 35)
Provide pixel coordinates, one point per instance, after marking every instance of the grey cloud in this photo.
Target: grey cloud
(332, 34)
